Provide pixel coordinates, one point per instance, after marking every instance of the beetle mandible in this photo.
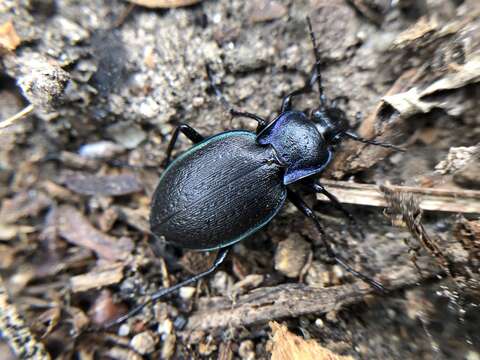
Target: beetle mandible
(229, 185)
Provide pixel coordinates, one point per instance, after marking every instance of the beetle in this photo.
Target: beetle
(230, 185)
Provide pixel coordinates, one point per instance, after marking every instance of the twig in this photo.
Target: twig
(17, 334)
(21, 114)
(448, 200)
(286, 300)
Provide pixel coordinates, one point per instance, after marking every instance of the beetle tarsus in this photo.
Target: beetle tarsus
(222, 254)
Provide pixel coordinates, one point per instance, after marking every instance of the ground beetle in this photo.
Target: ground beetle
(228, 186)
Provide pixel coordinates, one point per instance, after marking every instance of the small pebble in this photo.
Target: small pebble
(168, 347)
(246, 350)
(144, 343)
(165, 327)
(187, 292)
(291, 256)
(207, 348)
(100, 150)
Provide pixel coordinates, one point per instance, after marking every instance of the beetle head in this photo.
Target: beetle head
(331, 122)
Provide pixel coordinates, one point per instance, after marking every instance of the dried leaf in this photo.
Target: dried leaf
(109, 185)
(164, 3)
(288, 346)
(9, 40)
(76, 229)
(99, 277)
(421, 29)
(416, 100)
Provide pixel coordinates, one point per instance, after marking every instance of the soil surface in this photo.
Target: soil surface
(103, 84)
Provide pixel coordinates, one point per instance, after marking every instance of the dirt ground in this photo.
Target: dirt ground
(99, 86)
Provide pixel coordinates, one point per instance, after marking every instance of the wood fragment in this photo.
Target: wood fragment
(293, 300)
(445, 200)
(98, 277)
(288, 346)
(9, 39)
(15, 331)
(23, 204)
(76, 229)
(108, 185)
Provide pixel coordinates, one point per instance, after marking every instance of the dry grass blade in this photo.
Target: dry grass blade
(406, 206)
(20, 115)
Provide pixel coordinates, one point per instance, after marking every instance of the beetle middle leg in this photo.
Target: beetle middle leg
(303, 207)
(222, 254)
(320, 189)
(189, 132)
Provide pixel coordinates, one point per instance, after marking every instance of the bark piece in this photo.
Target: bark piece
(108, 185)
(76, 229)
(9, 40)
(288, 346)
(99, 277)
(28, 203)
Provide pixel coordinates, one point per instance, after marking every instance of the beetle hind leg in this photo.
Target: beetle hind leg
(303, 207)
(222, 254)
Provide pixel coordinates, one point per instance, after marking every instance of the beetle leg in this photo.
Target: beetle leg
(307, 88)
(318, 188)
(189, 132)
(303, 207)
(262, 123)
(222, 254)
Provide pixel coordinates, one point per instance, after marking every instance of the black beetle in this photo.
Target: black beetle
(228, 186)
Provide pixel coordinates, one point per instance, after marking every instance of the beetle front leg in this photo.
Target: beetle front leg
(262, 123)
(303, 207)
(186, 130)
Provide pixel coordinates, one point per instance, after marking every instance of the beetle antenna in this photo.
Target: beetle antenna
(323, 99)
(355, 137)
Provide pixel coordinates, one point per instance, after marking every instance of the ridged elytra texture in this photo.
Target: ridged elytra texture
(218, 192)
